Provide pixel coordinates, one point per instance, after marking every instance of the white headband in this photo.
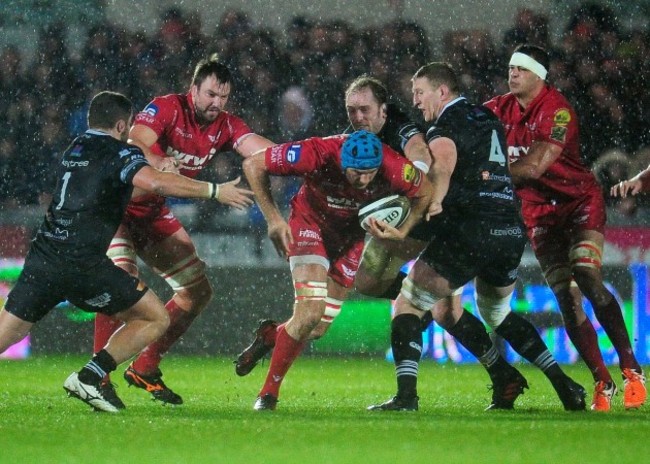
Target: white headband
(525, 61)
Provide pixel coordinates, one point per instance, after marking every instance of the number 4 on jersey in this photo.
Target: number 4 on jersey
(496, 154)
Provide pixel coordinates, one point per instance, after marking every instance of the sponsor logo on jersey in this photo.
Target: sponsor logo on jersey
(76, 151)
(558, 133)
(514, 153)
(342, 203)
(487, 175)
(75, 164)
(181, 133)
(124, 152)
(409, 173)
(562, 117)
(189, 162)
(348, 272)
(100, 300)
(150, 110)
(510, 231)
(308, 233)
(293, 153)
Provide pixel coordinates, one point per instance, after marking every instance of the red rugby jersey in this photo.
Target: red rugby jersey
(179, 134)
(326, 195)
(549, 118)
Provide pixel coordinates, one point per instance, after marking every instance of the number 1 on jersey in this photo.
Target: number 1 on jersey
(496, 154)
(66, 178)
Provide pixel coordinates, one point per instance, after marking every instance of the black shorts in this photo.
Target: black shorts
(102, 288)
(462, 249)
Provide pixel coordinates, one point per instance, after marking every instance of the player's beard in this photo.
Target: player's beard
(204, 116)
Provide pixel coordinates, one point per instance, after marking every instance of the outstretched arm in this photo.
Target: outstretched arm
(637, 184)
(259, 181)
(170, 184)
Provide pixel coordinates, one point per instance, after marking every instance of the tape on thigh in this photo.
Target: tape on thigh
(122, 252)
(586, 254)
(493, 310)
(185, 274)
(311, 291)
(332, 309)
(417, 296)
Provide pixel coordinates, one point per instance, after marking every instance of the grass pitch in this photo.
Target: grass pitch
(321, 418)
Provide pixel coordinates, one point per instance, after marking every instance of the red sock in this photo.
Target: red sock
(180, 321)
(585, 340)
(285, 353)
(271, 336)
(105, 327)
(611, 319)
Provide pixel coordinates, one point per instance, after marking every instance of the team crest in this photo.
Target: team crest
(562, 117)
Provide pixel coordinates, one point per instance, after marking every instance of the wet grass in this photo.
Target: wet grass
(321, 418)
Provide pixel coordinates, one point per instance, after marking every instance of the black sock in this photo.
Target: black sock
(471, 333)
(525, 340)
(406, 342)
(392, 292)
(97, 368)
(426, 320)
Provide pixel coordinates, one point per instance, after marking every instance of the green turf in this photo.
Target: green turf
(321, 418)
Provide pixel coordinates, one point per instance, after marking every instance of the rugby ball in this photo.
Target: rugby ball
(393, 210)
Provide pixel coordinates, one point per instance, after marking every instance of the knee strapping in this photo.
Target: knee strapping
(420, 298)
(586, 254)
(332, 310)
(311, 290)
(122, 251)
(493, 310)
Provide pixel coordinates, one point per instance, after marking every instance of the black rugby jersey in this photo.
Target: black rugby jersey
(93, 189)
(480, 184)
(397, 130)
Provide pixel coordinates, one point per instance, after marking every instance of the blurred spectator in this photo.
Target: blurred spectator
(612, 167)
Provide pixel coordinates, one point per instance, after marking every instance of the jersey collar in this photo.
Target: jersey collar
(453, 102)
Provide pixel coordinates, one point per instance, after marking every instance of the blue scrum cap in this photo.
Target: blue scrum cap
(361, 150)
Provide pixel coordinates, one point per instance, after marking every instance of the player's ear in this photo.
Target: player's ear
(384, 109)
(121, 125)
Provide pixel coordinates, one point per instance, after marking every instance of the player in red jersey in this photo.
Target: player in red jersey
(182, 132)
(323, 239)
(564, 211)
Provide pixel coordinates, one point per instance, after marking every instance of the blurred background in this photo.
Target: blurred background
(291, 62)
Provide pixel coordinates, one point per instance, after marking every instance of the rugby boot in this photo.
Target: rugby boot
(107, 389)
(603, 393)
(88, 393)
(506, 388)
(152, 383)
(634, 390)
(266, 402)
(248, 359)
(571, 394)
(396, 403)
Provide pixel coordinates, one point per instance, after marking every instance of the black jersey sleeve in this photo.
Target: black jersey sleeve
(398, 129)
(132, 159)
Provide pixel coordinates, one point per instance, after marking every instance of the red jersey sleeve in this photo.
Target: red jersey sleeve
(158, 115)
(402, 176)
(556, 122)
(294, 158)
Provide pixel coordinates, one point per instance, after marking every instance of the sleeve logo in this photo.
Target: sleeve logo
(562, 117)
(409, 173)
(150, 110)
(293, 154)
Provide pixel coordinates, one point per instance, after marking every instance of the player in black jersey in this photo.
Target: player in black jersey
(379, 275)
(476, 235)
(67, 258)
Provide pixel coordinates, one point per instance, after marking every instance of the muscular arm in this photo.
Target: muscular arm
(416, 150)
(259, 181)
(169, 184)
(443, 151)
(252, 144)
(144, 137)
(532, 166)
